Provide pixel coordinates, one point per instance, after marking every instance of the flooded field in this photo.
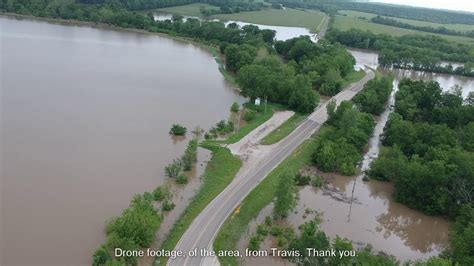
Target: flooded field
(370, 58)
(85, 115)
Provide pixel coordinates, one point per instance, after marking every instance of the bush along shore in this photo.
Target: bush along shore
(135, 229)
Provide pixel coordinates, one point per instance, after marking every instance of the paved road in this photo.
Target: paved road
(200, 235)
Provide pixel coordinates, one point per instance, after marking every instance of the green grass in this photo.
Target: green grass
(352, 21)
(284, 129)
(187, 10)
(354, 76)
(458, 27)
(220, 171)
(311, 20)
(236, 225)
(217, 56)
(260, 119)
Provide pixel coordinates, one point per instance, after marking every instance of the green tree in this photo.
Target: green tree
(285, 200)
(462, 250)
(303, 99)
(138, 223)
(311, 237)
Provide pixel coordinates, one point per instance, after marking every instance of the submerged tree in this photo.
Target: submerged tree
(178, 130)
(174, 169)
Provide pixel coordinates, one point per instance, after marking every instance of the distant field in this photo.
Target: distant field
(353, 20)
(458, 27)
(289, 17)
(277, 17)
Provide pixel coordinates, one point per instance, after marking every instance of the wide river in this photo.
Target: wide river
(85, 115)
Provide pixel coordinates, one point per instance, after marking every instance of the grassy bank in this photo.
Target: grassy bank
(311, 20)
(236, 225)
(352, 77)
(220, 171)
(220, 61)
(284, 129)
(361, 20)
(261, 118)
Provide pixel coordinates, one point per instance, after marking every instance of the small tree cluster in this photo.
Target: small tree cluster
(221, 128)
(134, 229)
(178, 130)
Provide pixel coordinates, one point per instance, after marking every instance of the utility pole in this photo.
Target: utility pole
(265, 104)
(238, 121)
(352, 199)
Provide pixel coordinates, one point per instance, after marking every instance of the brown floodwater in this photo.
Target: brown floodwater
(370, 58)
(85, 115)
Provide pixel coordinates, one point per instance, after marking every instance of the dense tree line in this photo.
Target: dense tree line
(311, 67)
(428, 154)
(229, 7)
(373, 98)
(340, 146)
(327, 6)
(325, 65)
(417, 52)
(439, 30)
(350, 126)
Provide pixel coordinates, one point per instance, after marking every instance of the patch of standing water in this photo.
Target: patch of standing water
(282, 33)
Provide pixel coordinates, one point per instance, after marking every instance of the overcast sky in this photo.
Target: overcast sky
(463, 5)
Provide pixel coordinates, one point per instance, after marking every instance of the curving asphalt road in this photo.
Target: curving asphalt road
(201, 233)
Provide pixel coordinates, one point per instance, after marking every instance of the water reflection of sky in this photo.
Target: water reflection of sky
(446, 81)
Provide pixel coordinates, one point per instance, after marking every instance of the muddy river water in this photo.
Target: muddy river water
(85, 115)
